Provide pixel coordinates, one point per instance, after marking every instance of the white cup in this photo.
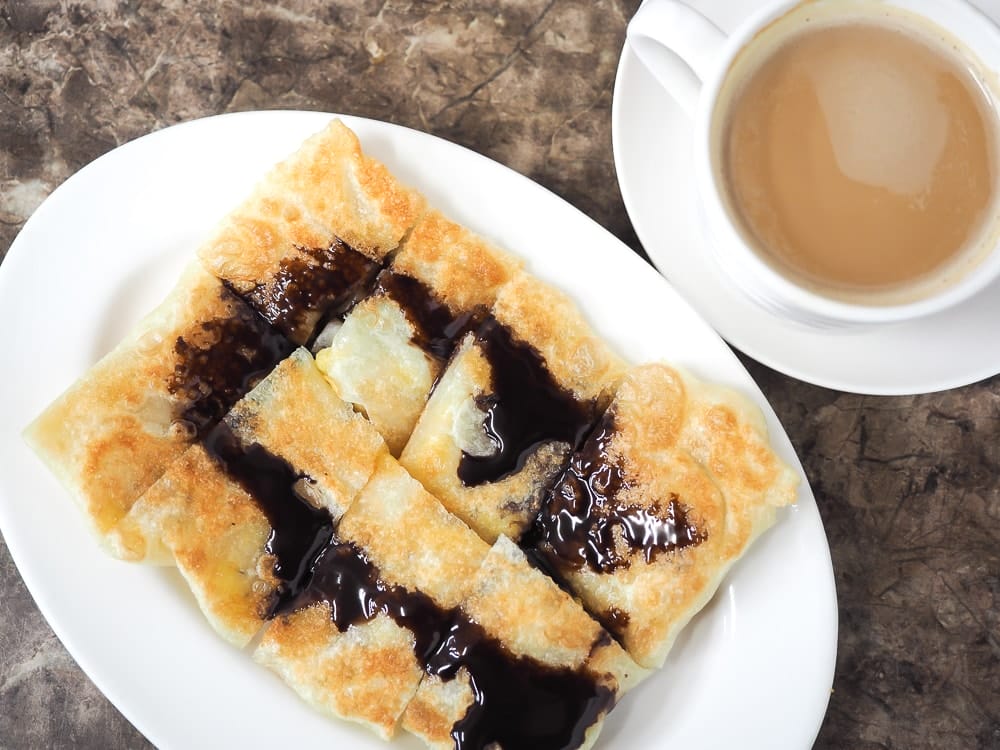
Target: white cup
(691, 58)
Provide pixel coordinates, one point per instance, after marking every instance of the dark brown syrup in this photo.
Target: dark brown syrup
(311, 287)
(517, 701)
(525, 408)
(344, 578)
(299, 531)
(437, 327)
(581, 523)
(221, 361)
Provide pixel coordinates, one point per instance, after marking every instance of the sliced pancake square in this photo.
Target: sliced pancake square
(207, 524)
(393, 345)
(523, 666)
(245, 511)
(313, 234)
(655, 507)
(114, 432)
(727, 434)
(517, 396)
(354, 644)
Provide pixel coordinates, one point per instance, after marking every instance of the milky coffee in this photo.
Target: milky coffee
(859, 155)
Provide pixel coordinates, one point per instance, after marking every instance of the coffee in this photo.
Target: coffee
(859, 156)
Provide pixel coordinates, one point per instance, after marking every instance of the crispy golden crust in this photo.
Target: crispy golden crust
(530, 614)
(411, 538)
(382, 210)
(367, 674)
(215, 533)
(451, 423)
(295, 414)
(437, 706)
(550, 321)
(460, 267)
(328, 188)
(373, 363)
(659, 416)
(112, 434)
(727, 434)
(247, 248)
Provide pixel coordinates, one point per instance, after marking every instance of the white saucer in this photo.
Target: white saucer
(652, 147)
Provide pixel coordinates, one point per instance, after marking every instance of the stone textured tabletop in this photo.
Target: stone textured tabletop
(907, 487)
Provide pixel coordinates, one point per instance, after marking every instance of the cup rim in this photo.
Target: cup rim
(732, 248)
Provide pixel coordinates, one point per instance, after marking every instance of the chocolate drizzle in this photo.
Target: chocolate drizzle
(517, 701)
(437, 327)
(344, 578)
(221, 360)
(581, 522)
(299, 532)
(525, 408)
(312, 286)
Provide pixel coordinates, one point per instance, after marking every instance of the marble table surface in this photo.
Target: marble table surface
(908, 487)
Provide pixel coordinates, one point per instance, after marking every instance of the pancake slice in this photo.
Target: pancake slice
(664, 496)
(295, 414)
(114, 432)
(353, 645)
(311, 237)
(393, 345)
(522, 666)
(516, 398)
(245, 511)
(726, 433)
(197, 518)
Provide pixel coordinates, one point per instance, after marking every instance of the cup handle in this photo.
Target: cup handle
(678, 45)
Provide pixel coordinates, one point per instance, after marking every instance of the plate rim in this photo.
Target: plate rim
(91, 663)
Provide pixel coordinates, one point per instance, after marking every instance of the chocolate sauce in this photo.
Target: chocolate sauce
(312, 286)
(299, 531)
(525, 408)
(582, 524)
(220, 361)
(344, 578)
(437, 328)
(517, 701)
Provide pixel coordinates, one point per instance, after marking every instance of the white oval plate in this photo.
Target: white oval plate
(754, 670)
(652, 139)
